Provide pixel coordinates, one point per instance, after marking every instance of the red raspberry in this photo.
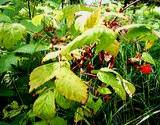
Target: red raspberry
(146, 69)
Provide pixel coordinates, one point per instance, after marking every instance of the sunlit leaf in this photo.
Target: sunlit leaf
(148, 58)
(11, 34)
(94, 19)
(110, 79)
(70, 85)
(113, 49)
(129, 87)
(149, 44)
(51, 55)
(30, 27)
(101, 33)
(36, 20)
(42, 74)
(81, 20)
(140, 31)
(69, 12)
(44, 106)
(103, 90)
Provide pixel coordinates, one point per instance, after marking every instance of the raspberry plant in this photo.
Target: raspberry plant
(69, 57)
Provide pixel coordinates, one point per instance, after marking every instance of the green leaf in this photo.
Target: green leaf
(12, 110)
(4, 18)
(111, 79)
(6, 62)
(32, 48)
(44, 106)
(79, 115)
(129, 87)
(70, 85)
(5, 92)
(101, 33)
(103, 90)
(42, 74)
(11, 34)
(43, 122)
(98, 105)
(58, 121)
(4, 1)
(111, 15)
(63, 102)
(95, 105)
(30, 27)
(138, 31)
(3, 123)
(147, 58)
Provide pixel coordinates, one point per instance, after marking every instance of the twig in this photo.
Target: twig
(89, 74)
(130, 5)
(126, 7)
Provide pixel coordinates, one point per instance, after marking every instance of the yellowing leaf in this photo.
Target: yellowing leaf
(113, 49)
(101, 33)
(140, 31)
(42, 74)
(81, 20)
(70, 85)
(93, 20)
(149, 44)
(44, 106)
(37, 19)
(69, 12)
(11, 34)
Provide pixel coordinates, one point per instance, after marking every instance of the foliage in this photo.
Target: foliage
(70, 64)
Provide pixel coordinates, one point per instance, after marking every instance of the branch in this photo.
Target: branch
(130, 5)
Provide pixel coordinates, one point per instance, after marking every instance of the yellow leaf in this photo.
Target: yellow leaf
(37, 19)
(148, 44)
(94, 19)
(70, 85)
(113, 49)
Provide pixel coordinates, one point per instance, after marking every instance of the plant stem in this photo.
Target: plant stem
(29, 8)
(100, 3)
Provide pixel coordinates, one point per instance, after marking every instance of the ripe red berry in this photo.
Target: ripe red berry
(146, 69)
